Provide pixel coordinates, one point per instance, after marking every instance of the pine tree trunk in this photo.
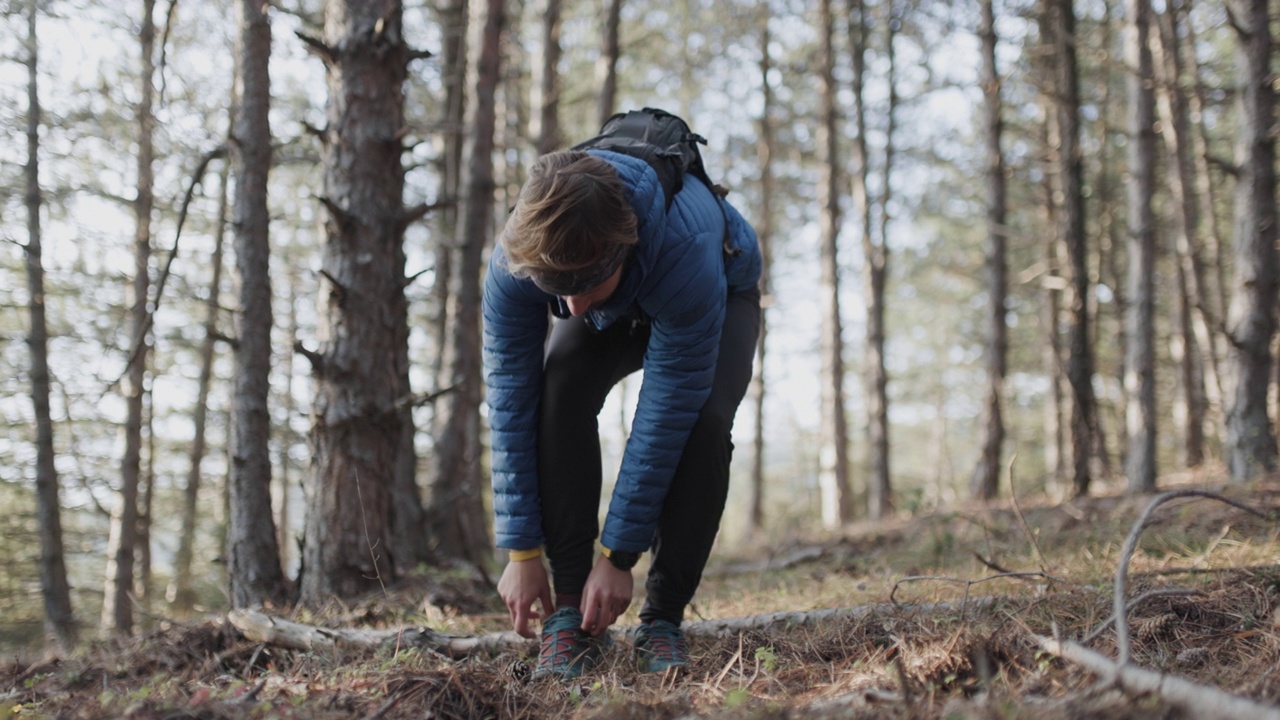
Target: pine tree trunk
(61, 633)
(1112, 262)
(285, 537)
(764, 231)
(142, 589)
(183, 592)
(356, 423)
(1071, 169)
(1052, 358)
(117, 608)
(833, 470)
(453, 20)
(985, 483)
(1251, 447)
(252, 552)
(1140, 381)
(549, 81)
(462, 532)
(1198, 356)
(875, 274)
(607, 63)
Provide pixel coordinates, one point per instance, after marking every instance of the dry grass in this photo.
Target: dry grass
(971, 660)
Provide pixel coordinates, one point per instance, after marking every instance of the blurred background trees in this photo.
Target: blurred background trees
(243, 246)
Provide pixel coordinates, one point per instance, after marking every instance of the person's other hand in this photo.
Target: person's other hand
(606, 596)
(523, 583)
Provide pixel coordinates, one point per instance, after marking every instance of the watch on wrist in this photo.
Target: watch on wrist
(622, 560)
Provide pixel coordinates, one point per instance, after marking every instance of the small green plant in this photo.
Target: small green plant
(767, 658)
(737, 698)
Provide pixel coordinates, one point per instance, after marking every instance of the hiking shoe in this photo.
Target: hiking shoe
(660, 645)
(567, 650)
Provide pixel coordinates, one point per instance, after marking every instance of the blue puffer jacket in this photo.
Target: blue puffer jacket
(678, 278)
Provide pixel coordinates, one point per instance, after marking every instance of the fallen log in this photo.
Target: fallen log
(260, 627)
(1199, 701)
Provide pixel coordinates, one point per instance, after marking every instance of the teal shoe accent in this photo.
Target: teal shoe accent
(660, 646)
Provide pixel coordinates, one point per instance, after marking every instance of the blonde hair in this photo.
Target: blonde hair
(572, 222)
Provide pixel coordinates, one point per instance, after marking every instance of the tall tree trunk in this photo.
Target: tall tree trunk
(183, 592)
(875, 273)
(252, 552)
(143, 591)
(117, 610)
(287, 439)
(454, 29)
(1071, 170)
(1112, 263)
(458, 483)
(764, 231)
(985, 483)
(549, 81)
(1140, 381)
(1198, 357)
(1054, 282)
(60, 629)
(1206, 188)
(462, 532)
(833, 470)
(607, 63)
(1251, 447)
(356, 418)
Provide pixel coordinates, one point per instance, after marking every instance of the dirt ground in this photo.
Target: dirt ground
(940, 620)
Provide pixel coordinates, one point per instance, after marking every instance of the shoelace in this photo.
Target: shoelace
(666, 643)
(563, 649)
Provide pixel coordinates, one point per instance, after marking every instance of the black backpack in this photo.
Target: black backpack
(666, 143)
(662, 140)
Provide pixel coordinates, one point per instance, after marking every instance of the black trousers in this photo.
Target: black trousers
(581, 366)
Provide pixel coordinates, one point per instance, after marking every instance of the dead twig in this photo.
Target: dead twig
(967, 582)
(1199, 701)
(1022, 520)
(1131, 543)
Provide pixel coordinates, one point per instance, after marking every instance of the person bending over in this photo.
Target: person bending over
(634, 282)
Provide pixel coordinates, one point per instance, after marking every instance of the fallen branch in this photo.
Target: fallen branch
(1199, 701)
(261, 627)
(729, 626)
(1131, 543)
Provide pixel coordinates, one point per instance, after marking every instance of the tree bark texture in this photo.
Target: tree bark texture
(356, 424)
(117, 608)
(1140, 364)
(252, 552)
(607, 63)
(833, 451)
(461, 528)
(764, 231)
(454, 29)
(549, 135)
(1071, 170)
(1251, 447)
(875, 274)
(1198, 359)
(985, 484)
(60, 629)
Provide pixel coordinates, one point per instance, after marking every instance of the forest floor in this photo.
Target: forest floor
(940, 619)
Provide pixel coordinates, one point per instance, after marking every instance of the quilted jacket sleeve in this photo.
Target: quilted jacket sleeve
(515, 327)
